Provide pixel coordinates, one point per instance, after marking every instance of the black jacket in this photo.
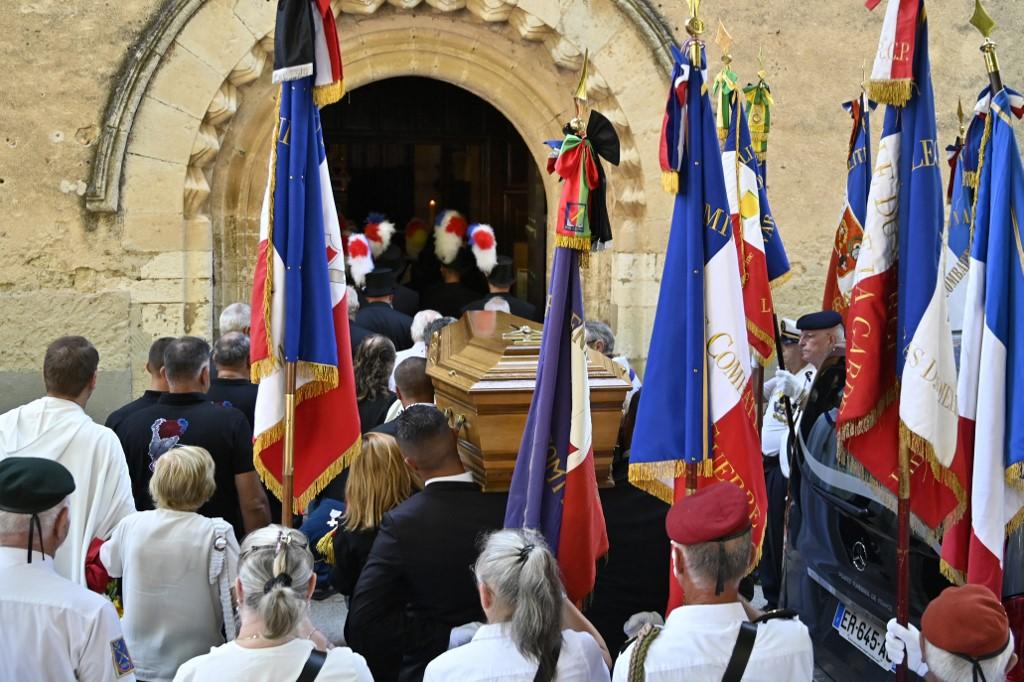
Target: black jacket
(380, 318)
(237, 393)
(387, 428)
(356, 335)
(406, 300)
(419, 567)
(351, 549)
(517, 306)
(373, 412)
(448, 299)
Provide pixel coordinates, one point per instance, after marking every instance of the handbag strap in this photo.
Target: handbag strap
(311, 668)
(741, 652)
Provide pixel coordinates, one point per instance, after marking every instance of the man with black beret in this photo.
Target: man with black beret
(58, 630)
(712, 550)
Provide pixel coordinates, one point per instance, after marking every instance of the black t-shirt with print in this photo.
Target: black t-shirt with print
(190, 419)
(237, 393)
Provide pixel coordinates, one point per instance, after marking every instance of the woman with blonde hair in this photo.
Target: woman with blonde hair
(177, 568)
(533, 631)
(379, 480)
(274, 585)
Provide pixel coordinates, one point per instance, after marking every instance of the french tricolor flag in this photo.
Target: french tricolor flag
(751, 215)
(991, 385)
(698, 404)
(300, 313)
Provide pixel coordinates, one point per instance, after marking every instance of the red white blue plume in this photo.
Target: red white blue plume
(378, 230)
(481, 239)
(449, 231)
(360, 262)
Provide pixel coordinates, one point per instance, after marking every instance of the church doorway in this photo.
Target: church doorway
(409, 146)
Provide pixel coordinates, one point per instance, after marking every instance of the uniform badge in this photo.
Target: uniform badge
(123, 664)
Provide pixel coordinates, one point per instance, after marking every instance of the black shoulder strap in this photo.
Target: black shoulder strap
(312, 667)
(741, 652)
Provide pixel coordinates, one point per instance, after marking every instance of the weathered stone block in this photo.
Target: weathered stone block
(163, 132)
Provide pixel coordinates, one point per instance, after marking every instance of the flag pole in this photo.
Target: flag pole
(984, 23)
(695, 28)
(903, 548)
(788, 407)
(288, 467)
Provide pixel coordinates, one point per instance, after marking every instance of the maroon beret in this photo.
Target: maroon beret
(716, 512)
(967, 620)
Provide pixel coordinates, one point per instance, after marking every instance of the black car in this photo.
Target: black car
(840, 573)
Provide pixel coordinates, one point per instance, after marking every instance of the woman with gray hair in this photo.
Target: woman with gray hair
(275, 583)
(533, 631)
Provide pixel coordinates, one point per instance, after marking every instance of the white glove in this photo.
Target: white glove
(789, 384)
(637, 621)
(900, 641)
(462, 634)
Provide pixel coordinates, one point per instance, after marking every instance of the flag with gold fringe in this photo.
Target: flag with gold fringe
(697, 406)
(300, 312)
(901, 372)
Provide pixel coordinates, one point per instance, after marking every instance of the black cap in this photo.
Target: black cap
(826, 319)
(32, 485)
(380, 282)
(504, 272)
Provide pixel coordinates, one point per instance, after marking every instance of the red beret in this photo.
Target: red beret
(966, 620)
(713, 513)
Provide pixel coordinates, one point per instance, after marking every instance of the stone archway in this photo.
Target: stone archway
(202, 126)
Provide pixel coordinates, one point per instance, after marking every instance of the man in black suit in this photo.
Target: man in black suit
(416, 585)
(452, 294)
(500, 282)
(413, 387)
(405, 300)
(378, 315)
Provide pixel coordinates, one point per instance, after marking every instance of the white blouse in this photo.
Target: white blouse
(273, 664)
(492, 655)
(175, 576)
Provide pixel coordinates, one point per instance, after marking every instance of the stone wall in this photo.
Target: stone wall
(126, 245)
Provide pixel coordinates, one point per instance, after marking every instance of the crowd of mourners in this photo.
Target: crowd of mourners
(145, 549)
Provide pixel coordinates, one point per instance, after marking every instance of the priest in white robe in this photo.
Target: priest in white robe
(56, 427)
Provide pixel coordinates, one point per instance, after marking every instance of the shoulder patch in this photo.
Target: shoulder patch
(123, 664)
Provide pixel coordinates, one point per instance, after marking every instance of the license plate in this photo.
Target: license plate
(864, 632)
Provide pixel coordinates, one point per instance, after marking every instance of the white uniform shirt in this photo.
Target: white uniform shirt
(698, 640)
(61, 431)
(492, 656)
(53, 629)
(172, 603)
(774, 428)
(230, 662)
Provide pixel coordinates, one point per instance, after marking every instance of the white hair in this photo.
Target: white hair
(17, 524)
(281, 553)
(497, 303)
(236, 317)
(947, 667)
(839, 333)
(353, 301)
(420, 322)
(705, 560)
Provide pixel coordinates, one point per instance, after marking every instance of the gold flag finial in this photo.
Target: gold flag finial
(762, 59)
(724, 42)
(695, 28)
(580, 93)
(864, 76)
(960, 116)
(981, 20)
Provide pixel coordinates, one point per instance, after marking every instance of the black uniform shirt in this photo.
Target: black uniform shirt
(120, 414)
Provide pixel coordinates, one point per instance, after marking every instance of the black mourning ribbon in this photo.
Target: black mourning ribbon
(719, 580)
(35, 524)
(977, 674)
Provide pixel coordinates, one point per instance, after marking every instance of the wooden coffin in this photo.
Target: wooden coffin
(483, 369)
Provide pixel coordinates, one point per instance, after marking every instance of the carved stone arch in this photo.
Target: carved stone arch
(202, 116)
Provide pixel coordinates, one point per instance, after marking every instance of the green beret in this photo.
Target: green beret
(32, 485)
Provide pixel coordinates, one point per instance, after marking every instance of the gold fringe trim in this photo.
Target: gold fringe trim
(1016, 521)
(986, 133)
(670, 181)
(916, 443)
(723, 134)
(952, 575)
(326, 546)
(275, 486)
(896, 92)
(761, 336)
(864, 424)
(1015, 476)
(651, 476)
(781, 279)
(970, 179)
(577, 243)
(328, 94)
(264, 367)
